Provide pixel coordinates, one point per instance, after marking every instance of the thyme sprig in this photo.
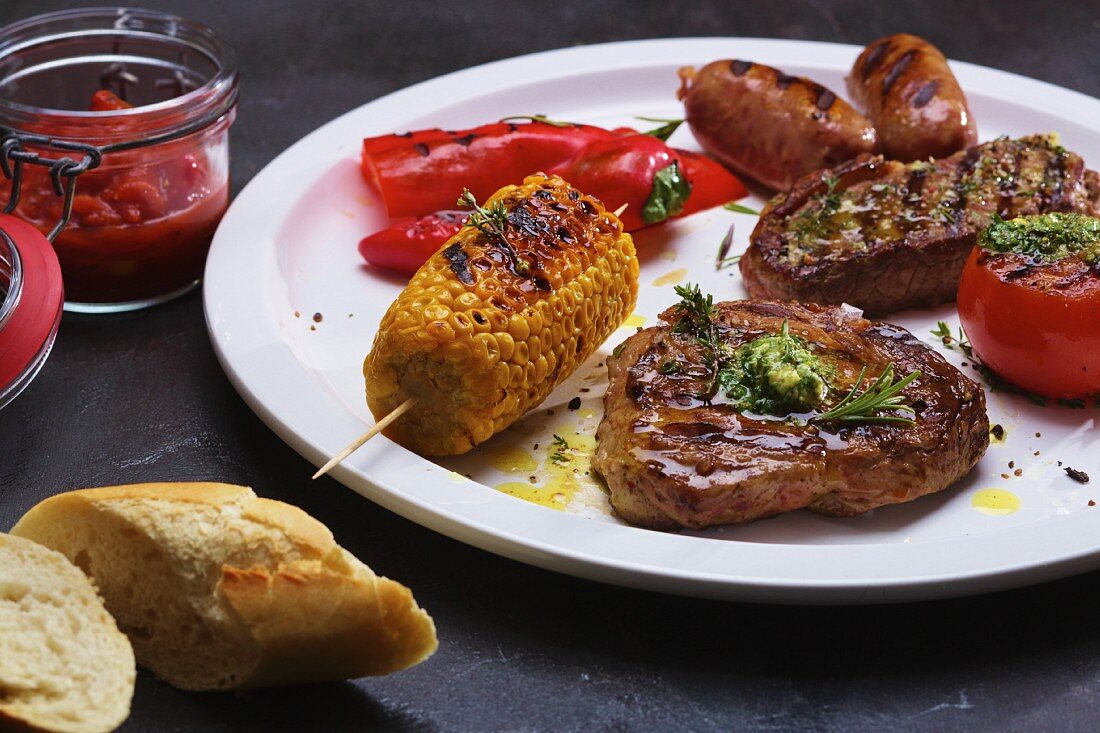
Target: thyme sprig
(812, 221)
(830, 200)
(962, 344)
(696, 317)
(696, 310)
(538, 118)
(883, 396)
(943, 332)
(560, 446)
(490, 219)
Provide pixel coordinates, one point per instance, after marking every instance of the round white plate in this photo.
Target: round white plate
(287, 250)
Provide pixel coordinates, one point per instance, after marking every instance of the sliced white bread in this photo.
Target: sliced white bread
(64, 665)
(219, 589)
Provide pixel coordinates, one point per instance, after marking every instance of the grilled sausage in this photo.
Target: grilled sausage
(904, 85)
(769, 126)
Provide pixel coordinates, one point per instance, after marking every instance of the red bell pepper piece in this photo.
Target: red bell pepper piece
(711, 184)
(425, 171)
(408, 242)
(617, 166)
(638, 170)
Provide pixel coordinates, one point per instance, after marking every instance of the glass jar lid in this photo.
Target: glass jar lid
(31, 296)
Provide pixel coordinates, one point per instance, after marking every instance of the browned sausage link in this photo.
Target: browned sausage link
(904, 85)
(770, 126)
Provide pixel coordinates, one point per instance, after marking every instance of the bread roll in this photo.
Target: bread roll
(64, 665)
(218, 589)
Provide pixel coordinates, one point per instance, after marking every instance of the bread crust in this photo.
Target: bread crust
(312, 611)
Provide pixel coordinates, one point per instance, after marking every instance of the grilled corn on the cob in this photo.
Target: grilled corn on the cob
(502, 314)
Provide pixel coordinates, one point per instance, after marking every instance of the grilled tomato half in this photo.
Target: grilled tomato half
(1029, 300)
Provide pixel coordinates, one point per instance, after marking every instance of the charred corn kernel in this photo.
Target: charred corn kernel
(489, 326)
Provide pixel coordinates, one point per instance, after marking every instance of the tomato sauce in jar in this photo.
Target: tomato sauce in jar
(155, 94)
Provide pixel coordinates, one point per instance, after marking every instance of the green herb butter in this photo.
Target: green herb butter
(775, 375)
(1045, 237)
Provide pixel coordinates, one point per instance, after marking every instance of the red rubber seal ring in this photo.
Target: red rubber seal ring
(27, 334)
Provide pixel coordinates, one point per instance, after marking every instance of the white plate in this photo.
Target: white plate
(288, 245)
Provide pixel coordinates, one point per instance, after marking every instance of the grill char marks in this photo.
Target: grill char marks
(532, 235)
(924, 96)
(768, 125)
(895, 71)
(460, 263)
(905, 86)
(901, 234)
(740, 67)
(784, 80)
(672, 460)
(1056, 174)
(875, 54)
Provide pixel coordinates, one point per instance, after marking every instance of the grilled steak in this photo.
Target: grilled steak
(674, 460)
(884, 236)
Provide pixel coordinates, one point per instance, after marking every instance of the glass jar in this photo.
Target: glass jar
(150, 97)
(30, 304)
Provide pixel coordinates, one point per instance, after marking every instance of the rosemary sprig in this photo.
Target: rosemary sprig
(722, 261)
(884, 395)
(739, 208)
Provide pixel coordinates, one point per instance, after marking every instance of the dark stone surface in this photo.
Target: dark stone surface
(141, 397)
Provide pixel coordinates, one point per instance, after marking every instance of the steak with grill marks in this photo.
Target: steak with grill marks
(884, 236)
(672, 459)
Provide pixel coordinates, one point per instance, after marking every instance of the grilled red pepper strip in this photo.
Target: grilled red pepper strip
(638, 170)
(408, 242)
(610, 170)
(425, 171)
(711, 184)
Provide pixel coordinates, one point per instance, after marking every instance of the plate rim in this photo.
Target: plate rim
(232, 340)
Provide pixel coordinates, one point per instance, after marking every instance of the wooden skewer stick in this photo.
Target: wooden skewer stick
(378, 427)
(619, 211)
